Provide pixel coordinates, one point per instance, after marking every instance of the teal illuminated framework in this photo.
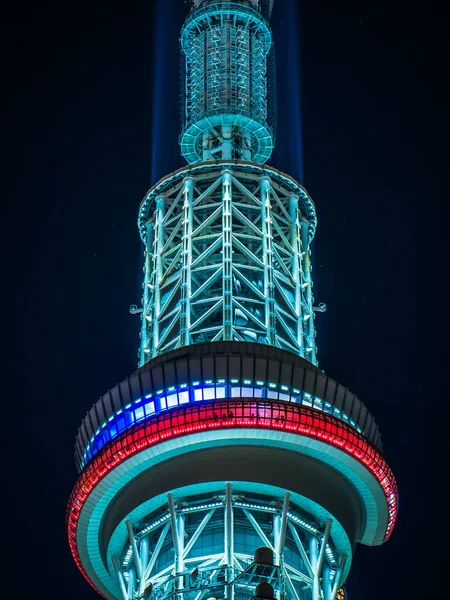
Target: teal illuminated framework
(228, 466)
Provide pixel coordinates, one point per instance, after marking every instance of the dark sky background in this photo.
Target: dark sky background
(92, 122)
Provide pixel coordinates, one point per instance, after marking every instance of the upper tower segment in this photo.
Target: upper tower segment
(228, 101)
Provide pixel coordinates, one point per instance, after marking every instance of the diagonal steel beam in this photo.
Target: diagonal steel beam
(208, 191)
(237, 213)
(258, 529)
(198, 532)
(240, 246)
(119, 577)
(301, 549)
(215, 215)
(206, 314)
(326, 537)
(131, 539)
(207, 252)
(213, 278)
(246, 192)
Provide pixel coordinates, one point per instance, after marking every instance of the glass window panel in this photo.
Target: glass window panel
(220, 392)
(139, 413)
(149, 408)
(172, 400)
(183, 397)
(247, 392)
(209, 393)
(198, 394)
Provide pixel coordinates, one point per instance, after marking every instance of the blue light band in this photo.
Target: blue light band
(163, 400)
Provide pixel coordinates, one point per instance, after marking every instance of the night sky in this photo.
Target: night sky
(92, 123)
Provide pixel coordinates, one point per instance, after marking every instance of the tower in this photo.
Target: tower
(229, 465)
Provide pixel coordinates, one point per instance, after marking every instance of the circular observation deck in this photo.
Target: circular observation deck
(260, 418)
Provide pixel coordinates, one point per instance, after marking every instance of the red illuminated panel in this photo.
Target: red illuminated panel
(228, 414)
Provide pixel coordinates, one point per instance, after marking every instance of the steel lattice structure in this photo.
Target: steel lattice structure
(227, 259)
(229, 466)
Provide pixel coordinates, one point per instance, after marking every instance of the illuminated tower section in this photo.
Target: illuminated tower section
(227, 239)
(228, 466)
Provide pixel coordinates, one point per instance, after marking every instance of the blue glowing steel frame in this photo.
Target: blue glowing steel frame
(227, 259)
(204, 523)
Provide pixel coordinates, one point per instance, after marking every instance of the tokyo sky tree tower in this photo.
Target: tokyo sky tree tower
(228, 466)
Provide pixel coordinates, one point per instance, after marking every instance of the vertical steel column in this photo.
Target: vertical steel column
(180, 549)
(131, 583)
(144, 551)
(177, 524)
(146, 303)
(229, 540)
(185, 314)
(326, 583)
(314, 557)
(227, 143)
(227, 257)
(158, 244)
(269, 287)
(279, 529)
(309, 316)
(276, 536)
(283, 525)
(296, 267)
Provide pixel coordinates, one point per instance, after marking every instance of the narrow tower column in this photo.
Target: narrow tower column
(266, 220)
(296, 266)
(146, 331)
(229, 540)
(185, 314)
(158, 266)
(314, 558)
(227, 257)
(307, 283)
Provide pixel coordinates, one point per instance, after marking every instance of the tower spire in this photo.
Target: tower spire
(228, 102)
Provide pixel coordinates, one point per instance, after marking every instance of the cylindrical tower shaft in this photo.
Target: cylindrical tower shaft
(228, 99)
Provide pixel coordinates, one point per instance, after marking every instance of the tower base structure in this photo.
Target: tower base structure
(217, 452)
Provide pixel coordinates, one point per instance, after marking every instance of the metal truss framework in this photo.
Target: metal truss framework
(204, 549)
(227, 258)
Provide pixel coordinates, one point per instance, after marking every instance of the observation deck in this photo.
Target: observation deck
(249, 414)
